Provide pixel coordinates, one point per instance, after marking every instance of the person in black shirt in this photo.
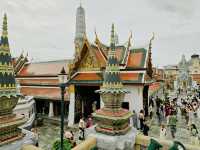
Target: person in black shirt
(145, 129)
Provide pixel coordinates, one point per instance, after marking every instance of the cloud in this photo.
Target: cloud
(46, 28)
(178, 7)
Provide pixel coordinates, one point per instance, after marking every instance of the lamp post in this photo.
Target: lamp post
(63, 82)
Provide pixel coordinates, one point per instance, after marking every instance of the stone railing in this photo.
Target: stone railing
(141, 142)
(30, 147)
(88, 144)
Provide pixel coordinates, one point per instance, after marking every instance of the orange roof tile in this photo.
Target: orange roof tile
(196, 77)
(40, 81)
(135, 59)
(43, 68)
(43, 92)
(129, 76)
(87, 76)
(100, 58)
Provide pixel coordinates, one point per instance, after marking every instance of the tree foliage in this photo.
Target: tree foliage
(66, 145)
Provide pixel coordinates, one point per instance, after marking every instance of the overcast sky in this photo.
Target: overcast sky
(45, 28)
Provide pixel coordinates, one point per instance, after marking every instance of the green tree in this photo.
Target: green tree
(66, 144)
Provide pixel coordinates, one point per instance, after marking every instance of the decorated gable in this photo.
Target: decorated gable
(89, 63)
(88, 59)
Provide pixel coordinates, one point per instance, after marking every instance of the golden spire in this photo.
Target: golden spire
(96, 37)
(112, 38)
(5, 28)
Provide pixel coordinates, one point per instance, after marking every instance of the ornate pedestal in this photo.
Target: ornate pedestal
(112, 119)
(113, 123)
(9, 122)
(8, 128)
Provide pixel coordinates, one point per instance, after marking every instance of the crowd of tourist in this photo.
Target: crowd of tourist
(181, 106)
(169, 111)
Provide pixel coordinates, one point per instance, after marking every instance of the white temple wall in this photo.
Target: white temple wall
(135, 97)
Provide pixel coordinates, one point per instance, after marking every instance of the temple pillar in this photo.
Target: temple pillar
(71, 113)
(101, 103)
(51, 113)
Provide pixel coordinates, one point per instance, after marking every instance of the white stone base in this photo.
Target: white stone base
(17, 145)
(108, 142)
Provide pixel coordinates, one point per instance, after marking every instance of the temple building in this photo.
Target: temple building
(184, 80)
(87, 68)
(85, 73)
(183, 75)
(40, 80)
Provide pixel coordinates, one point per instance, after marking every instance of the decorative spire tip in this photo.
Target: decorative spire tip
(112, 35)
(5, 28)
(80, 3)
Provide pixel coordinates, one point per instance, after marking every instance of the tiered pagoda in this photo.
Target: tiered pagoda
(9, 96)
(112, 119)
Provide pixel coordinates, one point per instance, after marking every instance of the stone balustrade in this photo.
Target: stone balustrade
(30, 147)
(87, 144)
(143, 141)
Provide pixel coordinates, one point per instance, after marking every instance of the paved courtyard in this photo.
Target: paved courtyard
(48, 133)
(182, 134)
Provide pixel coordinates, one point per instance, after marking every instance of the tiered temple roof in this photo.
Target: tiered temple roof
(40, 79)
(86, 68)
(88, 65)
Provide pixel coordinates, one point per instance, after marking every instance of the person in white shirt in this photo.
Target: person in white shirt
(81, 129)
(163, 132)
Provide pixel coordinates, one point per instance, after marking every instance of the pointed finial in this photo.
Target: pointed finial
(62, 71)
(96, 36)
(129, 39)
(153, 36)
(112, 40)
(80, 3)
(5, 28)
(95, 31)
(131, 35)
(26, 54)
(84, 36)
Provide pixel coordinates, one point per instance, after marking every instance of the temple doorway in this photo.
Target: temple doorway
(86, 101)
